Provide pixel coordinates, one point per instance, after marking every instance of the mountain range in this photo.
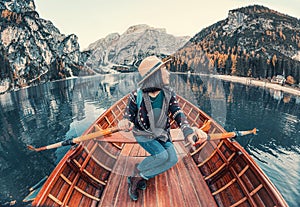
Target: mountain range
(32, 50)
(124, 52)
(252, 41)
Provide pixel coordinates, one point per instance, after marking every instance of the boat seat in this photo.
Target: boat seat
(127, 137)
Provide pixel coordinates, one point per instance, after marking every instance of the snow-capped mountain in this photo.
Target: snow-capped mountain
(32, 50)
(126, 50)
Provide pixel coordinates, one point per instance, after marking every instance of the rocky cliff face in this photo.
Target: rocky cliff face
(124, 52)
(253, 41)
(32, 50)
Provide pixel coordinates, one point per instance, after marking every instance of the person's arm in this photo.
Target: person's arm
(127, 123)
(179, 117)
(181, 120)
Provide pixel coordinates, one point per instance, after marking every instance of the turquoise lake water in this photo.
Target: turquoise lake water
(56, 111)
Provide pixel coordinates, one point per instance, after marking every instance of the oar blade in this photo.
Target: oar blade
(255, 131)
(32, 148)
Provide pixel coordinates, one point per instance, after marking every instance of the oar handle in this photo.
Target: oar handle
(95, 135)
(226, 135)
(77, 140)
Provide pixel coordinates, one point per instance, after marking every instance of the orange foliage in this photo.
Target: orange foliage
(234, 61)
(274, 60)
(269, 33)
(11, 16)
(281, 35)
(290, 80)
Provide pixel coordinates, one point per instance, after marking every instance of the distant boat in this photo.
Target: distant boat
(216, 173)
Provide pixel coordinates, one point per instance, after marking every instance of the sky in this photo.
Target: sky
(91, 20)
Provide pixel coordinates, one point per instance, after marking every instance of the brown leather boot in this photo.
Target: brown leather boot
(142, 185)
(133, 183)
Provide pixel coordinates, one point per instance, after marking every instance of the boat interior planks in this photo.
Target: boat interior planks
(217, 173)
(229, 174)
(182, 185)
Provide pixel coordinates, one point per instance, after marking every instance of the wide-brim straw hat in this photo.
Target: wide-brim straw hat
(149, 65)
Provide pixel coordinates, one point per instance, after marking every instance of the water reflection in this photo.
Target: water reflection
(60, 110)
(32, 115)
(276, 114)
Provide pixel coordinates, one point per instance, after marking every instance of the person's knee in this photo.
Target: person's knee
(163, 156)
(172, 156)
(173, 159)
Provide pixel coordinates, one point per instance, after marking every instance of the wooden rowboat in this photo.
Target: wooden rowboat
(217, 173)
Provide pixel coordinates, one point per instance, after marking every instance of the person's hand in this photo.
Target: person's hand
(194, 137)
(125, 125)
(202, 136)
(200, 133)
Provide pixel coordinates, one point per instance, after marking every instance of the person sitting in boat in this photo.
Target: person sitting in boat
(147, 116)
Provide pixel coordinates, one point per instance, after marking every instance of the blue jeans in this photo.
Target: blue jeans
(162, 157)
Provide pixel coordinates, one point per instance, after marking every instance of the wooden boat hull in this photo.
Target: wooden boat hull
(217, 173)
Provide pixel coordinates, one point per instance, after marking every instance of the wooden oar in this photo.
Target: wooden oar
(225, 135)
(76, 140)
(121, 138)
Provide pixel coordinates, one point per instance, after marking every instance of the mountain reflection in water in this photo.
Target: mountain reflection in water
(56, 111)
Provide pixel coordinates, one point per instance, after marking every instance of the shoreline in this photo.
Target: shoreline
(250, 81)
(236, 79)
(260, 83)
